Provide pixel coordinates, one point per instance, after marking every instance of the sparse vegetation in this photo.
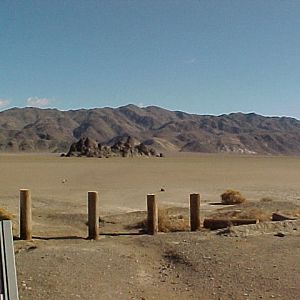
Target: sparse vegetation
(5, 214)
(250, 213)
(292, 213)
(232, 197)
(167, 222)
(171, 223)
(256, 213)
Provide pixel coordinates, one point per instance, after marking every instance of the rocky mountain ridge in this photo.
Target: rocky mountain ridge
(34, 129)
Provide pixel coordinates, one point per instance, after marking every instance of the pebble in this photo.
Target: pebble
(206, 257)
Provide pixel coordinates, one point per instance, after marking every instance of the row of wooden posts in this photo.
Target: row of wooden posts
(93, 218)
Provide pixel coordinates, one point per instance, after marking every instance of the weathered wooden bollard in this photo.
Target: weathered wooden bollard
(25, 215)
(195, 212)
(152, 217)
(93, 221)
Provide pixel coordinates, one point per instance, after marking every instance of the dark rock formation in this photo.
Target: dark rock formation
(124, 148)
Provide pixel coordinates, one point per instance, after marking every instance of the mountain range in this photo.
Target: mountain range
(51, 130)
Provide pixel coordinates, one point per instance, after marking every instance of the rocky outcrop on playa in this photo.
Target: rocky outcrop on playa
(123, 147)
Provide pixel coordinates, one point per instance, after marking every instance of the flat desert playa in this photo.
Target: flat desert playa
(59, 263)
(123, 184)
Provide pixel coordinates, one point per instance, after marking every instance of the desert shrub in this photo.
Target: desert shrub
(171, 223)
(256, 213)
(232, 197)
(5, 215)
(252, 213)
(166, 222)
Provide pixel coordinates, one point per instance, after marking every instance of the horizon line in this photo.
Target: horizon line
(149, 106)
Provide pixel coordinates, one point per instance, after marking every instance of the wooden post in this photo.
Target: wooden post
(25, 215)
(93, 221)
(152, 219)
(195, 212)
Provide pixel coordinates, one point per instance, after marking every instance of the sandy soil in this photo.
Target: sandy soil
(60, 264)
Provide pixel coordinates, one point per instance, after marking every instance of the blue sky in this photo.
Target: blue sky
(204, 57)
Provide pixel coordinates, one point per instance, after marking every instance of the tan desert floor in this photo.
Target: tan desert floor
(60, 264)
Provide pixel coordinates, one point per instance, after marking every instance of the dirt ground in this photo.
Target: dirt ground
(61, 264)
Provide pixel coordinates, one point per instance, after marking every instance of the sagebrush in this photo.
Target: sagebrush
(5, 214)
(232, 197)
(171, 223)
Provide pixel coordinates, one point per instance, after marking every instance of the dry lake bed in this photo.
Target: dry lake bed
(60, 264)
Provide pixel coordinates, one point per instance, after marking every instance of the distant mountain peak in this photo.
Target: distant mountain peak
(35, 129)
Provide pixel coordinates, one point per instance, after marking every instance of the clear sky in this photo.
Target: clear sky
(198, 56)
